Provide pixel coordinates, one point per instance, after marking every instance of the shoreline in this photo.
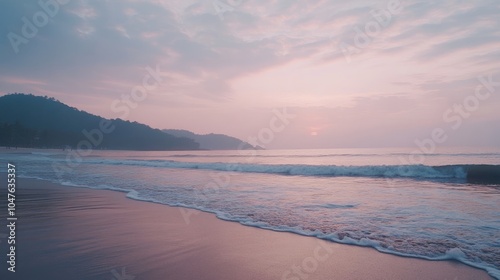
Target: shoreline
(85, 233)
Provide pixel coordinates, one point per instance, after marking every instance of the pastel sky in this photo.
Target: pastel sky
(362, 73)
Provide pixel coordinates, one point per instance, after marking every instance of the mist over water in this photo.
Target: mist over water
(364, 197)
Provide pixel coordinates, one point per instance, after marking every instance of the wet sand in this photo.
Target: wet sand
(77, 233)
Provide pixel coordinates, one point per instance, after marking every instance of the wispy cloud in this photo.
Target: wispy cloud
(260, 54)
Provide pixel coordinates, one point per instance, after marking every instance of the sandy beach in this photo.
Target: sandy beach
(77, 233)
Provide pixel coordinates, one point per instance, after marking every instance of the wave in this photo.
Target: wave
(484, 174)
(488, 174)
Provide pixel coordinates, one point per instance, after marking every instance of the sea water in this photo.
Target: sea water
(434, 206)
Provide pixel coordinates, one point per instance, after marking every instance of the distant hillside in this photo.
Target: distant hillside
(36, 121)
(212, 141)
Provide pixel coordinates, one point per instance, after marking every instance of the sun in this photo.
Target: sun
(314, 133)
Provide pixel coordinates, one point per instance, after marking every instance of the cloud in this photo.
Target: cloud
(96, 51)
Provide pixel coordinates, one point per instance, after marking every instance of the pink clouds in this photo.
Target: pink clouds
(225, 75)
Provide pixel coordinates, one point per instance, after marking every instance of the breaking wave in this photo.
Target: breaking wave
(467, 173)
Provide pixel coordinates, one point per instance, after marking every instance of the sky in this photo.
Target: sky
(285, 73)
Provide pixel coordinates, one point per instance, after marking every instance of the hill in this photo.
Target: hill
(34, 121)
(212, 141)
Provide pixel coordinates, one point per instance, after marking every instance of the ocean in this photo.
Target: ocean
(437, 206)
